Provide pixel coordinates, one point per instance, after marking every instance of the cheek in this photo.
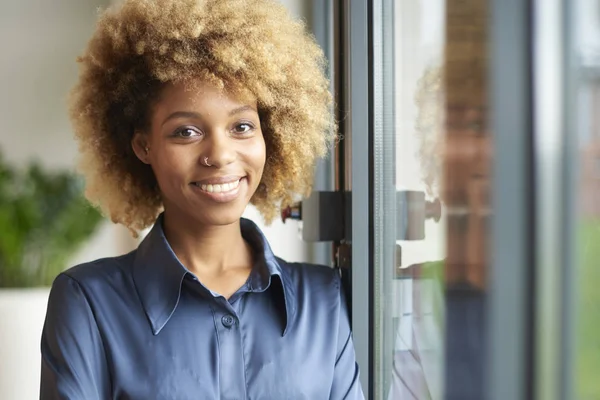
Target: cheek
(169, 167)
(258, 153)
(252, 153)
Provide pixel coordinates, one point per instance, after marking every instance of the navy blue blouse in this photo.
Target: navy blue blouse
(141, 326)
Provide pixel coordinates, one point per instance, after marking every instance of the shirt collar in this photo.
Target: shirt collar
(158, 274)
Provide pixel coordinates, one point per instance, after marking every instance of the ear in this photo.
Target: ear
(139, 144)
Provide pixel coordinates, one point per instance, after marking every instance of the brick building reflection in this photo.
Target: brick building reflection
(589, 149)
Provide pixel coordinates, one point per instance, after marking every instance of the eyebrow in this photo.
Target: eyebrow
(241, 109)
(192, 114)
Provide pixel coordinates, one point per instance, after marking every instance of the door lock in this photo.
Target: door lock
(326, 216)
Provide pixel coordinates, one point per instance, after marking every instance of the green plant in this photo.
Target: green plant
(44, 219)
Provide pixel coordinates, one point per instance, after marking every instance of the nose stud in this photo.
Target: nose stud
(205, 160)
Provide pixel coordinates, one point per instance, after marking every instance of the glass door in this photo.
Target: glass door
(452, 264)
(431, 201)
(483, 185)
(469, 151)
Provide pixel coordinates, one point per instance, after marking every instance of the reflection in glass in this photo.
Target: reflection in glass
(587, 45)
(430, 269)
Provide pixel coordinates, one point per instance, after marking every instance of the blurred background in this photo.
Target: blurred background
(471, 152)
(45, 224)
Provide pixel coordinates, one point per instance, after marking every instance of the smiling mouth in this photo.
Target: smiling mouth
(220, 187)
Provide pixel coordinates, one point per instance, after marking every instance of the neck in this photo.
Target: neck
(208, 250)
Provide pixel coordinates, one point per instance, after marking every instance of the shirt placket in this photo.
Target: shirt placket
(232, 380)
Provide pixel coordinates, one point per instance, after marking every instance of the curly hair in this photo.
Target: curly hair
(429, 99)
(238, 45)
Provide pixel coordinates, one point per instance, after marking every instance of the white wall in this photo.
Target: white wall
(39, 41)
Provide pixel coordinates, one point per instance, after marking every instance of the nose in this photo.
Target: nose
(219, 149)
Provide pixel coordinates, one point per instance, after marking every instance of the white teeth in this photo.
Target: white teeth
(225, 187)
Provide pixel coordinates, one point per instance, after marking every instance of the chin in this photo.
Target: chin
(222, 217)
(199, 208)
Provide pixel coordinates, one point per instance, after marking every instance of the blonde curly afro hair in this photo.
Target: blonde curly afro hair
(239, 45)
(429, 99)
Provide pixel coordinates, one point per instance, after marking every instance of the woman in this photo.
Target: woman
(186, 111)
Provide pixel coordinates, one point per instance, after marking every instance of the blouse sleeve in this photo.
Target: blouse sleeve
(346, 382)
(73, 358)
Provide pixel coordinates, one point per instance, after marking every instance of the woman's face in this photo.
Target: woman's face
(207, 152)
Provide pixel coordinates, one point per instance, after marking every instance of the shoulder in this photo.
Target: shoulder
(97, 275)
(80, 294)
(314, 272)
(312, 279)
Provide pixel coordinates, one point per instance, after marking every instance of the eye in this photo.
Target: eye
(187, 132)
(243, 127)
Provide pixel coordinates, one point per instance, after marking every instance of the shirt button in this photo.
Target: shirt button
(227, 321)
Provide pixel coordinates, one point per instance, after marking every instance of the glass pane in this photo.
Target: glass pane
(432, 154)
(587, 350)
